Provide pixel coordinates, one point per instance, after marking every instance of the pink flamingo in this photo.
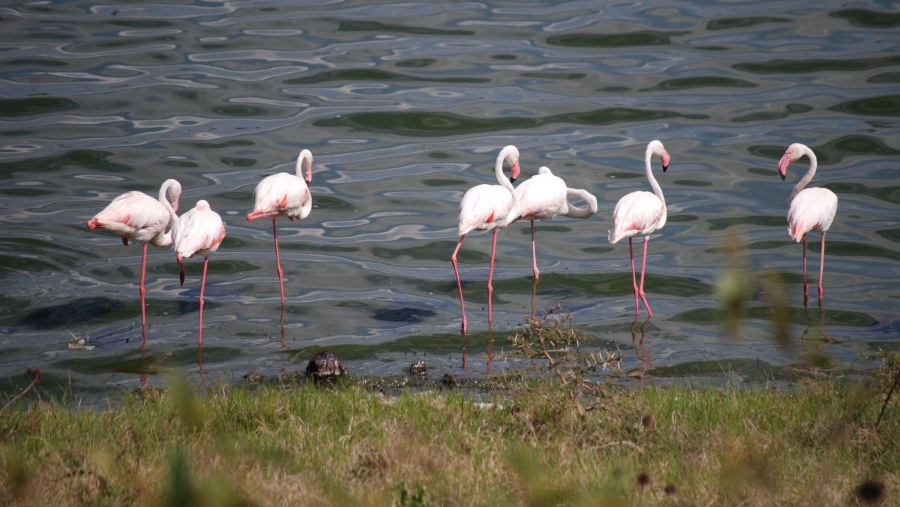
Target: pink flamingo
(488, 208)
(812, 209)
(284, 194)
(544, 196)
(641, 213)
(199, 231)
(139, 217)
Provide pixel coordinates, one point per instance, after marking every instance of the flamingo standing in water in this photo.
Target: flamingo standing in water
(641, 213)
(138, 217)
(544, 196)
(284, 194)
(488, 208)
(199, 231)
(812, 209)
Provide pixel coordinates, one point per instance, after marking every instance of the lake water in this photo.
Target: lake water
(405, 106)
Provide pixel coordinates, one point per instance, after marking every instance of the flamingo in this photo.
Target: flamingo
(812, 209)
(138, 217)
(488, 208)
(641, 213)
(544, 196)
(199, 231)
(284, 194)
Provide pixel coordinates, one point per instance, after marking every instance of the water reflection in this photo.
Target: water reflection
(814, 338)
(645, 360)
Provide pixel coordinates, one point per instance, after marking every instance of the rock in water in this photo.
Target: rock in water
(324, 366)
(418, 368)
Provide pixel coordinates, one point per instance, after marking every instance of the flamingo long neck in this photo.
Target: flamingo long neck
(505, 183)
(813, 164)
(649, 171)
(173, 187)
(305, 158)
(587, 197)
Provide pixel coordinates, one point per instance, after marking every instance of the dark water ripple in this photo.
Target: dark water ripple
(405, 106)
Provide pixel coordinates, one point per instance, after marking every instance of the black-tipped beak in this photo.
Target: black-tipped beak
(665, 167)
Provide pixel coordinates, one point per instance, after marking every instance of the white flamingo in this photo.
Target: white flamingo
(544, 196)
(641, 213)
(487, 208)
(284, 194)
(812, 209)
(199, 231)
(139, 217)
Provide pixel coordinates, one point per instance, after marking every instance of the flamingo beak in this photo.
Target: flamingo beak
(783, 164)
(309, 173)
(515, 172)
(665, 161)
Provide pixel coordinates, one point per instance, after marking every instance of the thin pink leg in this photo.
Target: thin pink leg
(537, 272)
(202, 287)
(462, 303)
(143, 292)
(821, 267)
(634, 287)
(644, 270)
(805, 285)
(278, 261)
(490, 287)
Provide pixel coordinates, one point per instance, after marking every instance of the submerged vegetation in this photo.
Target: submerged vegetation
(558, 439)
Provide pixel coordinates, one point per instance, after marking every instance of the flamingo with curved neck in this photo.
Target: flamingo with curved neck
(641, 213)
(284, 194)
(544, 196)
(812, 209)
(488, 208)
(137, 216)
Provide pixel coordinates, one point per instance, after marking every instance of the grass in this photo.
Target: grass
(551, 440)
(345, 445)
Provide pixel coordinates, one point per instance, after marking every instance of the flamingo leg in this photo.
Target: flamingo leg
(537, 272)
(805, 285)
(634, 287)
(643, 270)
(143, 297)
(490, 287)
(278, 261)
(202, 288)
(462, 303)
(821, 267)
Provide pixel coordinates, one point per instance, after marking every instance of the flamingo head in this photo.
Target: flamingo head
(514, 171)
(665, 160)
(793, 153)
(173, 193)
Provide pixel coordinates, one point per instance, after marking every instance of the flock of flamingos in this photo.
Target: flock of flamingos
(200, 231)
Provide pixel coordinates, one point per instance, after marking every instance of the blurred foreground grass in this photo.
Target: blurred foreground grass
(538, 442)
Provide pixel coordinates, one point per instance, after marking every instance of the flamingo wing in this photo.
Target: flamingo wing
(813, 209)
(637, 213)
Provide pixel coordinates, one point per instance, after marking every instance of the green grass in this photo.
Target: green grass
(539, 443)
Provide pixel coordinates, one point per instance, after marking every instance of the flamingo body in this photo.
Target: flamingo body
(200, 231)
(641, 213)
(284, 194)
(637, 214)
(812, 209)
(138, 217)
(487, 208)
(545, 196)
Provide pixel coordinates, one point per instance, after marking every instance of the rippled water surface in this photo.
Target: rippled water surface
(405, 106)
